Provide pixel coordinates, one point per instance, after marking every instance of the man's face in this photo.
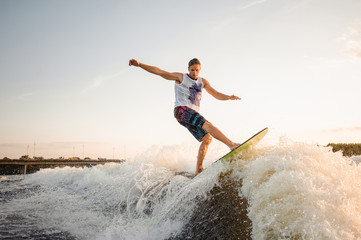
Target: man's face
(194, 71)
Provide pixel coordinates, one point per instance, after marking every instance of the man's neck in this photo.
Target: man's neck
(191, 77)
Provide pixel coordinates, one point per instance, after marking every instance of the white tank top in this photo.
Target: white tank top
(189, 93)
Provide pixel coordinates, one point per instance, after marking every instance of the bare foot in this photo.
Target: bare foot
(234, 145)
(198, 171)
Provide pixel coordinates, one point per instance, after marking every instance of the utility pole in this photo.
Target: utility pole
(27, 151)
(34, 148)
(83, 151)
(124, 152)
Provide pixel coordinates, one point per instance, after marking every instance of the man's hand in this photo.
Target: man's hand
(178, 77)
(134, 63)
(233, 97)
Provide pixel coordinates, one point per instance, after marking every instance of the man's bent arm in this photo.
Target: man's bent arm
(216, 94)
(178, 77)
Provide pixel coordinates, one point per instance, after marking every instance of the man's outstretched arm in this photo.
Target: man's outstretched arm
(216, 94)
(178, 77)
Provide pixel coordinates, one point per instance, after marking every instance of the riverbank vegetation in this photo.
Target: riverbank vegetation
(348, 149)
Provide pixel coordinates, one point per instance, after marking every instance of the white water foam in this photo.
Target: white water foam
(356, 159)
(301, 191)
(138, 200)
(294, 191)
(3, 179)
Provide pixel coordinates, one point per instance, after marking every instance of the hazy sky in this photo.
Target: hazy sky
(65, 79)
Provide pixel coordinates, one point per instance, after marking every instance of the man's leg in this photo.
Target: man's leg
(217, 134)
(207, 139)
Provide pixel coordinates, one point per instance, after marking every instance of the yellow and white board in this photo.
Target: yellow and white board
(244, 146)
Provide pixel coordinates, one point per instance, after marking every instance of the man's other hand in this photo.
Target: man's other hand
(134, 62)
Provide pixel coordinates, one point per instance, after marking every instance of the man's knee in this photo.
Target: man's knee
(206, 125)
(207, 139)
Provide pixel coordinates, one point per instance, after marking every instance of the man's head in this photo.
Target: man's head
(194, 67)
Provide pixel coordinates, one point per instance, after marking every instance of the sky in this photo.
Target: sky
(67, 89)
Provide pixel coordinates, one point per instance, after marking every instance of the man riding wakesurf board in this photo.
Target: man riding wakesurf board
(188, 94)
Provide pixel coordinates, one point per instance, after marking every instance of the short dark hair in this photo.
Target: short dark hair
(194, 61)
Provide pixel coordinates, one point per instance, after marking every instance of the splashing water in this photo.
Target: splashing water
(300, 191)
(288, 191)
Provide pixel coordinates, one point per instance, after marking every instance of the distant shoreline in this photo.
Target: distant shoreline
(60, 160)
(26, 166)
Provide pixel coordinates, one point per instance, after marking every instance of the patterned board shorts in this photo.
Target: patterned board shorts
(191, 120)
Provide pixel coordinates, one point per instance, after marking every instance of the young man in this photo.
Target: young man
(188, 94)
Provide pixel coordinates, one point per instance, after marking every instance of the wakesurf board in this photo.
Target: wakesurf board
(243, 147)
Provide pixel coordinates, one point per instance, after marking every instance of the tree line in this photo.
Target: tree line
(348, 149)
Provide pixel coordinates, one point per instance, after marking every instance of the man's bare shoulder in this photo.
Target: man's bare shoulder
(205, 82)
(179, 77)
